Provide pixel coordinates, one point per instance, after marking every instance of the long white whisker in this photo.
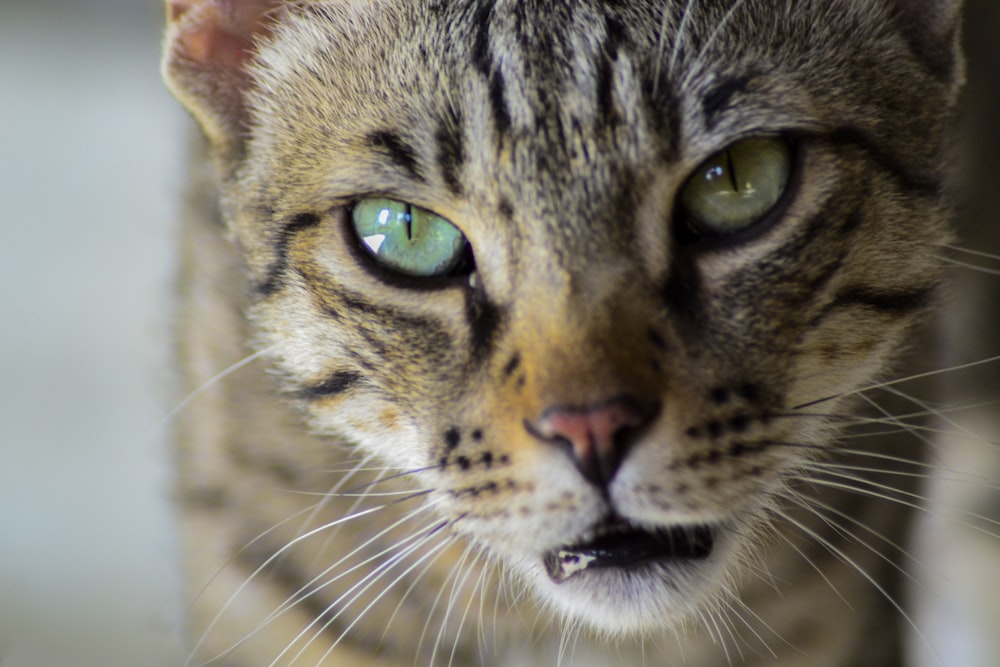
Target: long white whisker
(679, 37)
(814, 506)
(457, 584)
(902, 380)
(716, 32)
(304, 591)
(242, 549)
(221, 375)
(433, 552)
(839, 553)
(733, 609)
(971, 267)
(430, 532)
(885, 496)
(325, 502)
(976, 253)
(956, 476)
(430, 615)
(960, 428)
(271, 559)
(815, 567)
(465, 614)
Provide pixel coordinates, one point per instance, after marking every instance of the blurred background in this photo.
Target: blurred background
(91, 151)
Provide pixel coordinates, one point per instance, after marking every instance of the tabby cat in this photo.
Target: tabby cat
(580, 302)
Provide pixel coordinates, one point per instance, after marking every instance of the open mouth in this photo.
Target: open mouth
(616, 543)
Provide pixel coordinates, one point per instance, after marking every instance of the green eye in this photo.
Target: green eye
(407, 239)
(737, 187)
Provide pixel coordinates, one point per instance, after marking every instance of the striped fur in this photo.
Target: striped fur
(556, 136)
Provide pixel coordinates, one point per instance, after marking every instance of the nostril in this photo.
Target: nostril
(597, 438)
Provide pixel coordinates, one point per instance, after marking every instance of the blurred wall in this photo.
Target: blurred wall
(89, 165)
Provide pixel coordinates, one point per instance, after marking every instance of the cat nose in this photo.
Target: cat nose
(597, 438)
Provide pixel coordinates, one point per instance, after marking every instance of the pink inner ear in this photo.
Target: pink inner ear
(219, 33)
(210, 46)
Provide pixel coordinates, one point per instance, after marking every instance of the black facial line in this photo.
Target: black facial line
(397, 150)
(274, 278)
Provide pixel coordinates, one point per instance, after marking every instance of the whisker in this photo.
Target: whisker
(747, 624)
(728, 626)
(962, 478)
(816, 568)
(437, 600)
(325, 502)
(711, 625)
(457, 583)
(844, 557)
(813, 505)
(207, 384)
(364, 584)
(390, 478)
(470, 596)
(483, 640)
(271, 559)
(328, 494)
(929, 411)
(960, 428)
(902, 380)
(433, 554)
(716, 32)
(971, 267)
(885, 496)
(303, 592)
(679, 37)
(976, 253)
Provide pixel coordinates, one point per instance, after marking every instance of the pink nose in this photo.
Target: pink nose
(596, 438)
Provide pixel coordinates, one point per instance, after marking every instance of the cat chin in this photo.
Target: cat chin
(618, 603)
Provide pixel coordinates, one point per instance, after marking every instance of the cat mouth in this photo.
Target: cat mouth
(617, 543)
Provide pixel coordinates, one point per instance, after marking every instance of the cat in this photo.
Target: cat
(548, 326)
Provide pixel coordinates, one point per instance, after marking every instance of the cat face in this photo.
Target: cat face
(595, 274)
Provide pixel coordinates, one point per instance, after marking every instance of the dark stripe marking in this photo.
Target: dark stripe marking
(336, 384)
(858, 138)
(681, 293)
(481, 58)
(485, 319)
(498, 103)
(662, 110)
(451, 149)
(274, 280)
(717, 99)
(898, 302)
(506, 209)
(614, 36)
(512, 365)
(936, 52)
(397, 150)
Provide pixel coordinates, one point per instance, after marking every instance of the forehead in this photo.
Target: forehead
(532, 90)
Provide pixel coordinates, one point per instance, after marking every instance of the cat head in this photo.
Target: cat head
(599, 273)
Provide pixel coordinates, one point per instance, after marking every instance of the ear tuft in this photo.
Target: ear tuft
(208, 46)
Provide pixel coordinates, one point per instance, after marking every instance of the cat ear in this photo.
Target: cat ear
(933, 28)
(208, 46)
